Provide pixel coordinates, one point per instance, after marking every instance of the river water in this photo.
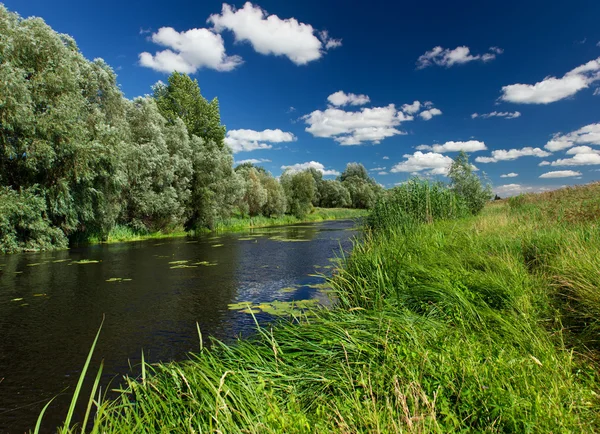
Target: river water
(152, 294)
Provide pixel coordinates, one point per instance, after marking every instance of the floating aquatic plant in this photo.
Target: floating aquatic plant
(183, 266)
(85, 261)
(178, 262)
(218, 245)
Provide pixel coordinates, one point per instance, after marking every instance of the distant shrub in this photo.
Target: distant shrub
(416, 201)
(467, 185)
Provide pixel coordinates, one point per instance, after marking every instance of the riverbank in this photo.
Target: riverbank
(484, 323)
(235, 224)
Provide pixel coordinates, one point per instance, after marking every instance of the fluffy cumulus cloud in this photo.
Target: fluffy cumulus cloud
(428, 114)
(588, 135)
(412, 108)
(509, 175)
(189, 51)
(271, 35)
(311, 165)
(561, 174)
(253, 161)
(552, 89)
(581, 156)
(512, 154)
(469, 146)
(430, 163)
(369, 124)
(506, 115)
(354, 127)
(250, 140)
(446, 57)
(340, 98)
(508, 190)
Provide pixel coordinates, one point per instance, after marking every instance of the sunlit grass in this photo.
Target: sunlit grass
(470, 324)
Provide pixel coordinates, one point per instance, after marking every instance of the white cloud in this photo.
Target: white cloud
(189, 51)
(382, 173)
(469, 146)
(308, 165)
(250, 140)
(375, 169)
(509, 175)
(428, 114)
(253, 161)
(412, 108)
(340, 99)
(507, 115)
(588, 135)
(269, 34)
(582, 156)
(431, 163)
(552, 89)
(385, 157)
(512, 154)
(544, 163)
(597, 91)
(446, 57)
(560, 174)
(353, 128)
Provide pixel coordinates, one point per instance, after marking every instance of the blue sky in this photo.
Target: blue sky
(530, 70)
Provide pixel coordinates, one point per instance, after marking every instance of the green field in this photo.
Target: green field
(484, 323)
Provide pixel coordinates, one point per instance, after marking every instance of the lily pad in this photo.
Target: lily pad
(183, 266)
(85, 261)
(59, 261)
(35, 264)
(205, 263)
(240, 305)
(17, 299)
(114, 279)
(246, 239)
(218, 245)
(289, 289)
(178, 262)
(40, 295)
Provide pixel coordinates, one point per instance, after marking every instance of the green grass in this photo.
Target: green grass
(236, 224)
(474, 324)
(239, 224)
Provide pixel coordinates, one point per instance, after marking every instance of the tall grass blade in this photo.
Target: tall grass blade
(69, 417)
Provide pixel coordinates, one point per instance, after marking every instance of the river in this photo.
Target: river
(152, 294)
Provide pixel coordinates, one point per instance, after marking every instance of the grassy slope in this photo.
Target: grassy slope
(122, 234)
(487, 323)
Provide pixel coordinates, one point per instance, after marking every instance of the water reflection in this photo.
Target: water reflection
(51, 306)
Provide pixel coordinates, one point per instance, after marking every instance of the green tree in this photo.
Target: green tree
(334, 195)
(467, 185)
(276, 201)
(181, 98)
(300, 189)
(362, 188)
(216, 188)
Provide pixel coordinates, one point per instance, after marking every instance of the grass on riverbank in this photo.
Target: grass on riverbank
(236, 224)
(486, 323)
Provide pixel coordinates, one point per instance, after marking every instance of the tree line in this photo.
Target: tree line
(77, 158)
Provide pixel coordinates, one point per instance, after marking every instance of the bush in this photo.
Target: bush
(416, 201)
(468, 185)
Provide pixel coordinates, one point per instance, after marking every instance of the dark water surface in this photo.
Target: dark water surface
(51, 306)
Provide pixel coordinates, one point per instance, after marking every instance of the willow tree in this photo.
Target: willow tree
(61, 119)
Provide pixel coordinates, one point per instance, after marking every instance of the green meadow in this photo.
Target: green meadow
(443, 322)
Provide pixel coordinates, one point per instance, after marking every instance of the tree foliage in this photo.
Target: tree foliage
(467, 185)
(77, 158)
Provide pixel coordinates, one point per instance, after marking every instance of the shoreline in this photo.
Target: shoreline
(234, 225)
